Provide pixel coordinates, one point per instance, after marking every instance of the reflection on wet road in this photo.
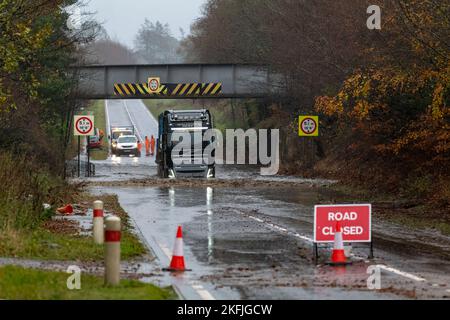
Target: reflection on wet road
(254, 243)
(235, 256)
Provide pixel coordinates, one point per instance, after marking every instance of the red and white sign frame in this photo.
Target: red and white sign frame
(158, 84)
(343, 223)
(313, 121)
(78, 131)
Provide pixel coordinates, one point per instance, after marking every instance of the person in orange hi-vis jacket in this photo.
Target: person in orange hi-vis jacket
(152, 145)
(147, 146)
(101, 134)
(139, 145)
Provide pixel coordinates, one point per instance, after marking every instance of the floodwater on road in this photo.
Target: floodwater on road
(256, 244)
(250, 237)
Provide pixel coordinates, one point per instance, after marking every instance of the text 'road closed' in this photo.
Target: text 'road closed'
(355, 220)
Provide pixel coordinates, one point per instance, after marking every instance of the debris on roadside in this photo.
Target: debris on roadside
(66, 210)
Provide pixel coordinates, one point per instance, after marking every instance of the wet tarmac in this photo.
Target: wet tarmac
(237, 256)
(255, 242)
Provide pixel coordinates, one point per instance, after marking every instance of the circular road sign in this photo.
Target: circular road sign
(308, 126)
(153, 85)
(84, 125)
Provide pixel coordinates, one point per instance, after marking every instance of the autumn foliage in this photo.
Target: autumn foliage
(36, 82)
(395, 112)
(382, 95)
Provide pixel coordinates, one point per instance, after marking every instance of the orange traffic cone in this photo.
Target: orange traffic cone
(68, 209)
(338, 256)
(177, 263)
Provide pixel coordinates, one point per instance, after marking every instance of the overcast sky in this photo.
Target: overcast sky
(122, 18)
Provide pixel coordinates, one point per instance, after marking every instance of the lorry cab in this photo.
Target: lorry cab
(185, 166)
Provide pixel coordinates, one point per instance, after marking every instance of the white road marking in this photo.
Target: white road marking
(308, 239)
(256, 219)
(131, 119)
(205, 295)
(303, 237)
(401, 273)
(202, 292)
(166, 251)
(108, 126)
(281, 229)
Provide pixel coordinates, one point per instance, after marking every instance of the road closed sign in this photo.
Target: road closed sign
(355, 220)
(83, 125)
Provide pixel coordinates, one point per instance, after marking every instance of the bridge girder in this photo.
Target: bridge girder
(233, 81)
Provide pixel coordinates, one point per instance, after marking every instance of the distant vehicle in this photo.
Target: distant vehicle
(127, 145)
(95, 142)
(183, 121)
(117, 132)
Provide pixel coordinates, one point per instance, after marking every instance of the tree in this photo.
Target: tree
(36, 51)
(383, 94)
(396, 111)
(109, 52)
(154, 44)
(311, 44)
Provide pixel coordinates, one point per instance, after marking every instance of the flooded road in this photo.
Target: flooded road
(256, 244)
(250, 237)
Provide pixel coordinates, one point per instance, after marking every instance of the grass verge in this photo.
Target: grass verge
(17, 283)
(59, 239)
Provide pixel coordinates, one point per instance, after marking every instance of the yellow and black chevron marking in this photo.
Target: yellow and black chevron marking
(195, 89)
(136, 89)
(170, 89)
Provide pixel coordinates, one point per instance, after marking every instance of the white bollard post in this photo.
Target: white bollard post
(98, 228)
(112, 250)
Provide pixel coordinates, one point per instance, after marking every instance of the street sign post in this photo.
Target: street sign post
(355, 219)
(83, 126)
(308, 126)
